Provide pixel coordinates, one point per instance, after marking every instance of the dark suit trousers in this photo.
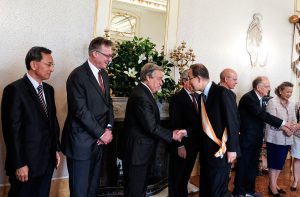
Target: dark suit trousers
(246, 171)
(34, 187)
(135, 180)
(214, 180)
(84, 176)
(179, 174)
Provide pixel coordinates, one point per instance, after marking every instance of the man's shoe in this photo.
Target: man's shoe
(253, 195)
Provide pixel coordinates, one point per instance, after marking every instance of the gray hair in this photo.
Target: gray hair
(148, 69)
(184, 76)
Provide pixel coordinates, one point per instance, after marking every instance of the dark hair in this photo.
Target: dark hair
(148, 69)
(96, 43)
(199, 70)
(257, 81)
(282, 86)
(35, 54)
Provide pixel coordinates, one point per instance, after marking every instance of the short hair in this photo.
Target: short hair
(199, 70)
(97, 42)
(148, 69)
(225, 73)
(282, 86)
(258, 80)
(35, 54)
(184, 76)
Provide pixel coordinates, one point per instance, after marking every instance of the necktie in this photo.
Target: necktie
(204, 97)
(101, 82)
(195, 101)
(41, 98)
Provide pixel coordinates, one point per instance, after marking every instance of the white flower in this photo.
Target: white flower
(131, 72)
(141, 58)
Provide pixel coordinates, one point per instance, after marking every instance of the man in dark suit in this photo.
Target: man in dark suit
(142, 130)
(253, 117)
(184, 114)
(30, 128)
(219, 136)
(228, 78)
(89, 121)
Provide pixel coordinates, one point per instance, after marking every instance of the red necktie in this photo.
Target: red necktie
(194, 101)
(101, 82)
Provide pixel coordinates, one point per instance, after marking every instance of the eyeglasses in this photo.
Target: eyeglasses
(107, 56)
(48, 64)
(190, 78)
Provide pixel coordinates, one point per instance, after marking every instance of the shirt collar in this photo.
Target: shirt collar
(94, 69)
(147, 87)
(33, 81)
(207, 88)
(258, 96)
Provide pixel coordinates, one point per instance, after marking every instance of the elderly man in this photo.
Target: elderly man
(90, 119)
(184, 114)
(219, 134)
(228, 78)
(142, 130)
(30, 127)
(253, 115)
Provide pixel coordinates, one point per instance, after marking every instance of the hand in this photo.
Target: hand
(181, 152)
(288, 125)
(57, 159)
(22, 173)
(179, 134)
(107, 137)
(231, 156)
(287, 130)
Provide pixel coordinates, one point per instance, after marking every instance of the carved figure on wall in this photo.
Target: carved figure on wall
(254, 45)
(296, 45)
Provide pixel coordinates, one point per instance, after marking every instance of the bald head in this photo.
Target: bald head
(228, 78)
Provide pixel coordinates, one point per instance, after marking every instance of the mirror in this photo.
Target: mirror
(141, 18)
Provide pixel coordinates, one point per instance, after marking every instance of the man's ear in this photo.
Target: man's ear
(33, 65)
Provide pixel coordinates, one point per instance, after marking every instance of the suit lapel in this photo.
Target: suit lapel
(150, 96)
(94, 82)
(34, 96)
(188, 100)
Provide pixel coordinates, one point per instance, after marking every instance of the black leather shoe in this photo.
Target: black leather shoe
(281, 191)
(272, 194)
(293, 189)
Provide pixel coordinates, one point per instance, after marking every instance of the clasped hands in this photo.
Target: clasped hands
(289, 128)
(179, 134)
(106, 138)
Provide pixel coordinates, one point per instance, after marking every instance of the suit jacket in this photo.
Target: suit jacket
(89, 112)
(222, 112)
(30, 136)
(142, 127)
(183, 115)
(253, 118)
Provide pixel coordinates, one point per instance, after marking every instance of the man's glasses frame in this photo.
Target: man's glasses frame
(107, 56)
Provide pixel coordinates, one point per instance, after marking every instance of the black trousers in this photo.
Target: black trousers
(246, 170)
(179, 173)
(34, 187)
(84, 176)
(214, 180)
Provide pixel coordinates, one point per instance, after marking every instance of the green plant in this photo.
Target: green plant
(124, 71)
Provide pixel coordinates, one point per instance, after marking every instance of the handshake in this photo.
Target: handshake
(179, 134)
(289, 128)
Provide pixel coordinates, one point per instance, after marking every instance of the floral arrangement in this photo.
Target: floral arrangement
(130, 56)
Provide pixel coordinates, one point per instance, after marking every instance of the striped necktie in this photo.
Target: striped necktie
(41, 98)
